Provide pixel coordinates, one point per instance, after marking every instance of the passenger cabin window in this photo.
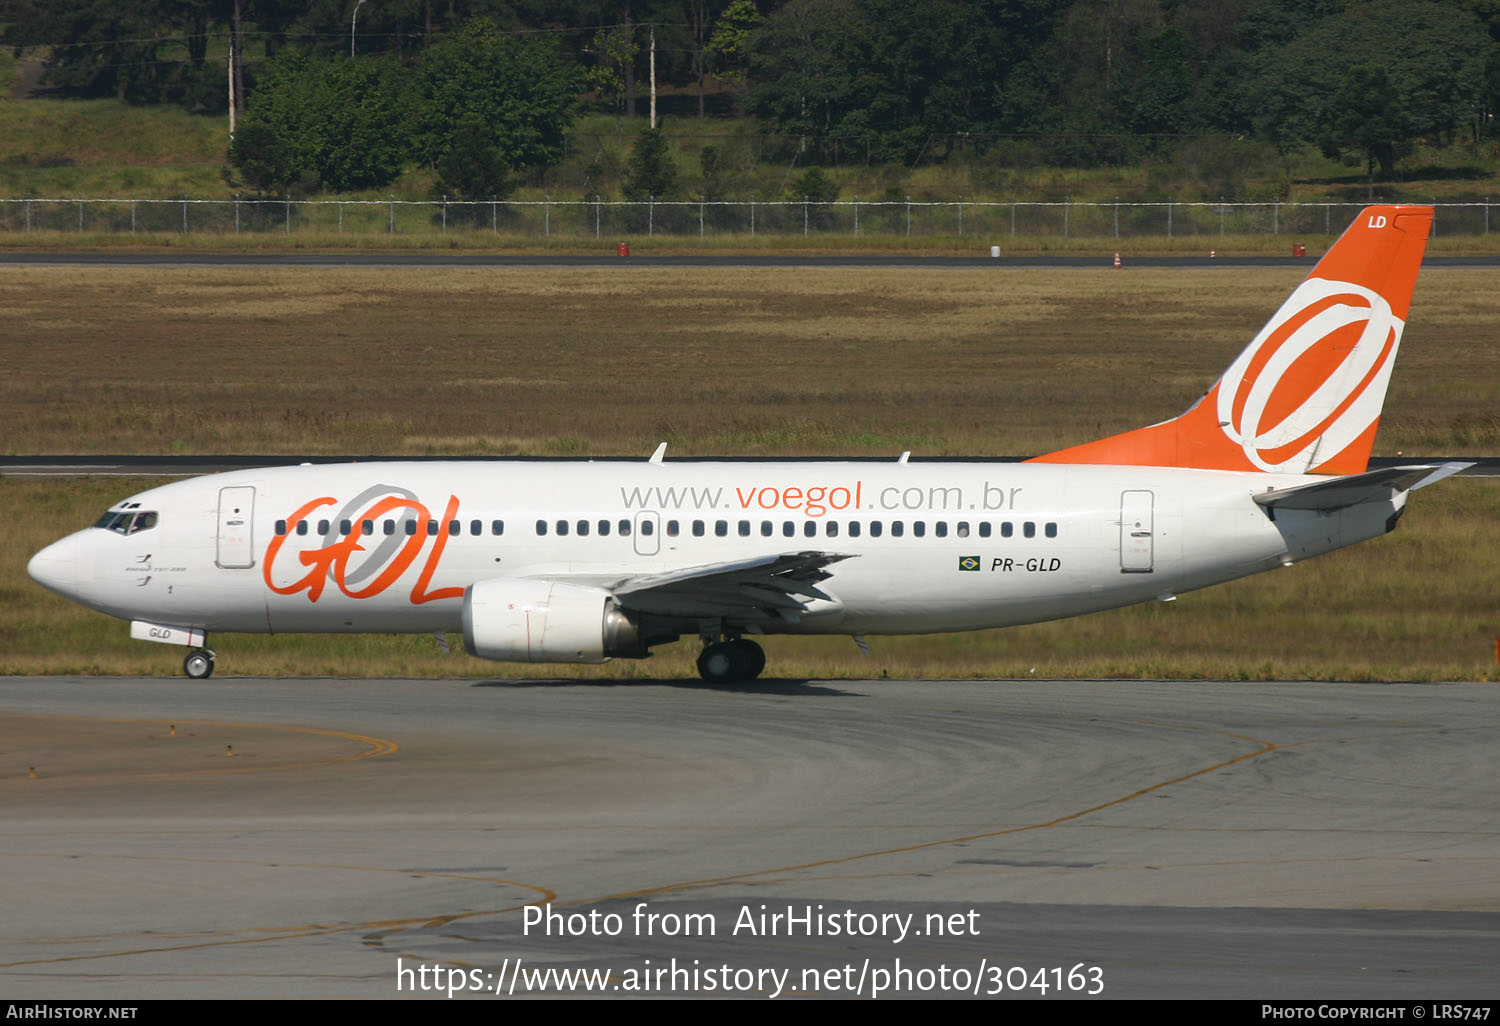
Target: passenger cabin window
(624, 528)
(984, 529)
(497, 527)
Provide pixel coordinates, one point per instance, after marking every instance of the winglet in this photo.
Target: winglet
(1305, 396)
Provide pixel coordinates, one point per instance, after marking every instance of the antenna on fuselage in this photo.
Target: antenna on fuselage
(656, 457)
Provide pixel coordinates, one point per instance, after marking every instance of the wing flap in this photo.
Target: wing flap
(751, 590)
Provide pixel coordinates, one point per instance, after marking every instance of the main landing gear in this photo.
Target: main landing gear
(726, 662)
(199, 663)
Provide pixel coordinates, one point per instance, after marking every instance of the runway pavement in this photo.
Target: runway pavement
(327, 837)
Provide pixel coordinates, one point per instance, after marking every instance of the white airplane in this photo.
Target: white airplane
(585, 561)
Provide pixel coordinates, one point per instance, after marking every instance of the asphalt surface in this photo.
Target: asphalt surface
(318, 837)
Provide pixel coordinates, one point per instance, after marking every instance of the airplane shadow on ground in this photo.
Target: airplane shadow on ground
(766, 686)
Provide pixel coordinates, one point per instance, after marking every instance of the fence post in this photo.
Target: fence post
(908, 215)
(1169, 217)
(445, 213)
(960, 215)
(1117, 217)
(1067, 202)
(341, 216)
(856, 214)
(494, 216)
(547, 215)
(132, 215)
(1486, 215)
(236, 214)
(392, 229)
(596, 215)
(184, 215)
(28, 215)
(1013, 216)
(1276, 217)
(1221, 215)
(650, 215)
(289, 214)
(700, 215)
(80, 217)
(752, 215)
(804, 216)
(1325, 219)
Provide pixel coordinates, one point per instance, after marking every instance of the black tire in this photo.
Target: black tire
(717, 663)
(726, 662)
(750, 656)
(199, 664)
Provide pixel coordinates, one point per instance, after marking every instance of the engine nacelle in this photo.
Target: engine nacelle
(546, 622)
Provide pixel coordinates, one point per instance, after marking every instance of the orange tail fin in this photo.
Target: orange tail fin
(1305, 396)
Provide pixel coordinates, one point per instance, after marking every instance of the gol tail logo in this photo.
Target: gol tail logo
(383, 561)
(1314, 380)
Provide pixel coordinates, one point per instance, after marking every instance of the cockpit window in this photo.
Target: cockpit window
(127, 521)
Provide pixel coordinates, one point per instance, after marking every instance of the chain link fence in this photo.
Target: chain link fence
(600, 218)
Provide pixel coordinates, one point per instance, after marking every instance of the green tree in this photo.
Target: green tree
(520, 88)
(727, 53)
(1408, 68)
(471, 167)
(651, 171)
(334, 121)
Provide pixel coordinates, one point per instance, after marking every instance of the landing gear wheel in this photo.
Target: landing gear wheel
(751, 656)
(198, 664)
(725, 662)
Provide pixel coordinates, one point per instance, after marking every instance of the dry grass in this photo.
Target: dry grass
(1415, 605)
(745, 361)
(487, 361)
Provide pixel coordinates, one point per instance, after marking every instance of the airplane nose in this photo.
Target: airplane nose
(56, 568)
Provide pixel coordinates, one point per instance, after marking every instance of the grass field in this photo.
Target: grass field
(744, 362)
(473, 361)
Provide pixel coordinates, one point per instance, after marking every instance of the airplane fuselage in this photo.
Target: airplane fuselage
(391, 547)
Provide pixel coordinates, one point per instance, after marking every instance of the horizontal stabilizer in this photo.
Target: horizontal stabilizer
(1373, 486)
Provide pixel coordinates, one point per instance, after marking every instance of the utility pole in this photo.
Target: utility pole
(653, 77)
(352, 22)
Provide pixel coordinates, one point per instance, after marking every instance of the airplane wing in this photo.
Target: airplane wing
(764, 589)
(1374, 486)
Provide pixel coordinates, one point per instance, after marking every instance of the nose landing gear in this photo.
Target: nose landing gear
(726, 662)
(199, 663)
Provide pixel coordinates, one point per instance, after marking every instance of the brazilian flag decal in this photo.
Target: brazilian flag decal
(968, 562)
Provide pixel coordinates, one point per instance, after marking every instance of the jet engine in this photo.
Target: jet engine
(547, 622)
